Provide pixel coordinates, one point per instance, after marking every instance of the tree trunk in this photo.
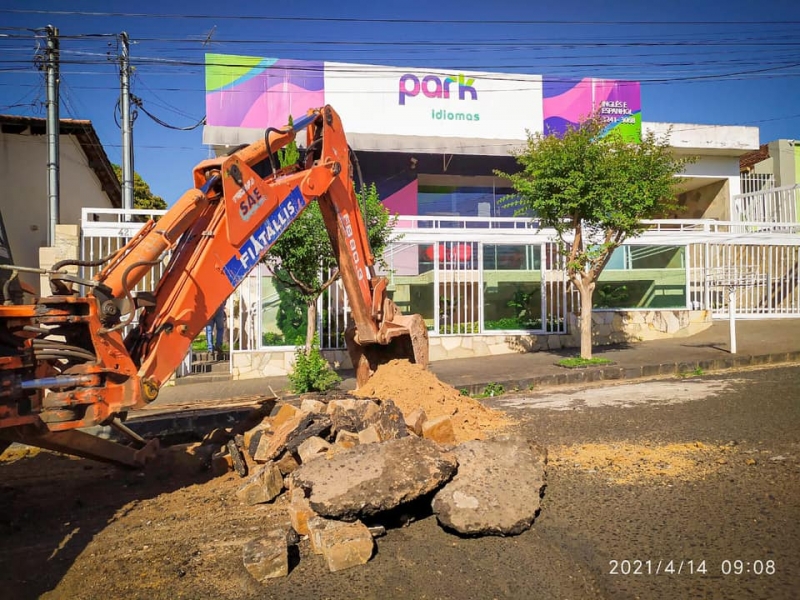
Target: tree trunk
(311, 326)
(586, 289)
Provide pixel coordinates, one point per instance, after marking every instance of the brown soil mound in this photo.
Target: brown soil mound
(410, 386)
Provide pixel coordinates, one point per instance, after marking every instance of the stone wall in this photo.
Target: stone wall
(609, 327)
(67, 246)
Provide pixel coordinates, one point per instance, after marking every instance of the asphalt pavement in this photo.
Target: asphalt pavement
(772, 341)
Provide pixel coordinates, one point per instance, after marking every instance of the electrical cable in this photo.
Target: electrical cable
(137, 102)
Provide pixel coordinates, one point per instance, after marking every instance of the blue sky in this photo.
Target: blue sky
(697, 63)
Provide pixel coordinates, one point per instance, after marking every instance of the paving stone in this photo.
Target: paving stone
(300, 512)
(346, 439)
(440, 430)
(312, 448)
(312, 406)
(264, 486)
(347, 545)
(415, 420)
(267, 557)
(388, 422)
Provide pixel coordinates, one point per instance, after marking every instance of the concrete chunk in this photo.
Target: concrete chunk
(312, 406)
(263, 486)
(498, 487)
(294, 432)
(267, 557)
(262, 447)
(369, 435)
(287, 463)
(347, 545)
(283, 414)
(388, 421)
(415, 420)
(300, 512)
(253, 437)
(312, 448)
(439, 430)
(316, 525)
(346, 439)
(372, 478)
(351, 414)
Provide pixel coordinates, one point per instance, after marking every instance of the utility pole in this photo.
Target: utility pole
(127, 124)
(53, 132)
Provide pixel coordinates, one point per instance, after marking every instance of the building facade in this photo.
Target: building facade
(86, 179)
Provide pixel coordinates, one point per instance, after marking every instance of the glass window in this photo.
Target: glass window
(643, 277)
(512, 287)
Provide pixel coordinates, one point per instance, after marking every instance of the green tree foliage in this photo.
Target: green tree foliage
(311, 372)
(143, 197)
(292, 315)
(594, 191)
(302, 258)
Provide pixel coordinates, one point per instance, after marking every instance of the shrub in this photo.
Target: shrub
(311, 372)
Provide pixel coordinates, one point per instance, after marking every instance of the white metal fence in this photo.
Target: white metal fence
(775, 205)
(756, 182)
(457, 271)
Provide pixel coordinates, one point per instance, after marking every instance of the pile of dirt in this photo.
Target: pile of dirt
(625, 462)
(410, 387)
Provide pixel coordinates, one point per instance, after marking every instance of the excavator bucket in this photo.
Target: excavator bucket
(407, 339)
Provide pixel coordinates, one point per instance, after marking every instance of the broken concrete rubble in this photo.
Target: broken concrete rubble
(372, 478)
(264, 486)
(415, 420)
(283, 413)
(369, 435)
(439, 430)
(267, 557)
(497, 489)
(351, 414)
(346, 545)
(346, 439)
(312, 406)
(312, 448)
(295, 431)
(388, 421)
(300, 512)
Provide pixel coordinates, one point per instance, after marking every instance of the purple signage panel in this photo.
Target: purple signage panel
(566, 102)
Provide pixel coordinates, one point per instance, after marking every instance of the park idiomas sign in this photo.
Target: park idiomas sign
(251, 92)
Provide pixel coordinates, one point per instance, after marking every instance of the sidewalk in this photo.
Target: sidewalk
(758, 342)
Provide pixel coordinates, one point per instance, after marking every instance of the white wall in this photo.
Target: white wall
(23, 193)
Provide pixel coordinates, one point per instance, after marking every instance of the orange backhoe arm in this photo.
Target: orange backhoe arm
(218, 232)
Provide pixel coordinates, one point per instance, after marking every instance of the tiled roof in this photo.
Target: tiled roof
(747, 161)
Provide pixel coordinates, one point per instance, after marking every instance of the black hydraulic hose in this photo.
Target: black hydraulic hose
(270, 154)
(84, 263)
(128, 297)
(62, 354)
(52, 345)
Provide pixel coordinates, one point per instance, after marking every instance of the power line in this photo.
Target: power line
(307, 18)
(138, 103)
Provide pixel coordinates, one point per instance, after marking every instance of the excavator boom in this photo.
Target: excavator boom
(70, 361)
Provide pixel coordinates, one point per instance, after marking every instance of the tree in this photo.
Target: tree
(594, 191)
(143, 197)
(302, 257)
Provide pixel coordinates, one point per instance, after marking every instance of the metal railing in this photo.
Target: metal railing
(457, 294)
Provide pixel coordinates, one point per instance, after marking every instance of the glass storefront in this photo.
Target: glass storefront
(643, 277)
(512, 287)
(463, 288)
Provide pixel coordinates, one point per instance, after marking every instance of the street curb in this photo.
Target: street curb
(615, 373)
